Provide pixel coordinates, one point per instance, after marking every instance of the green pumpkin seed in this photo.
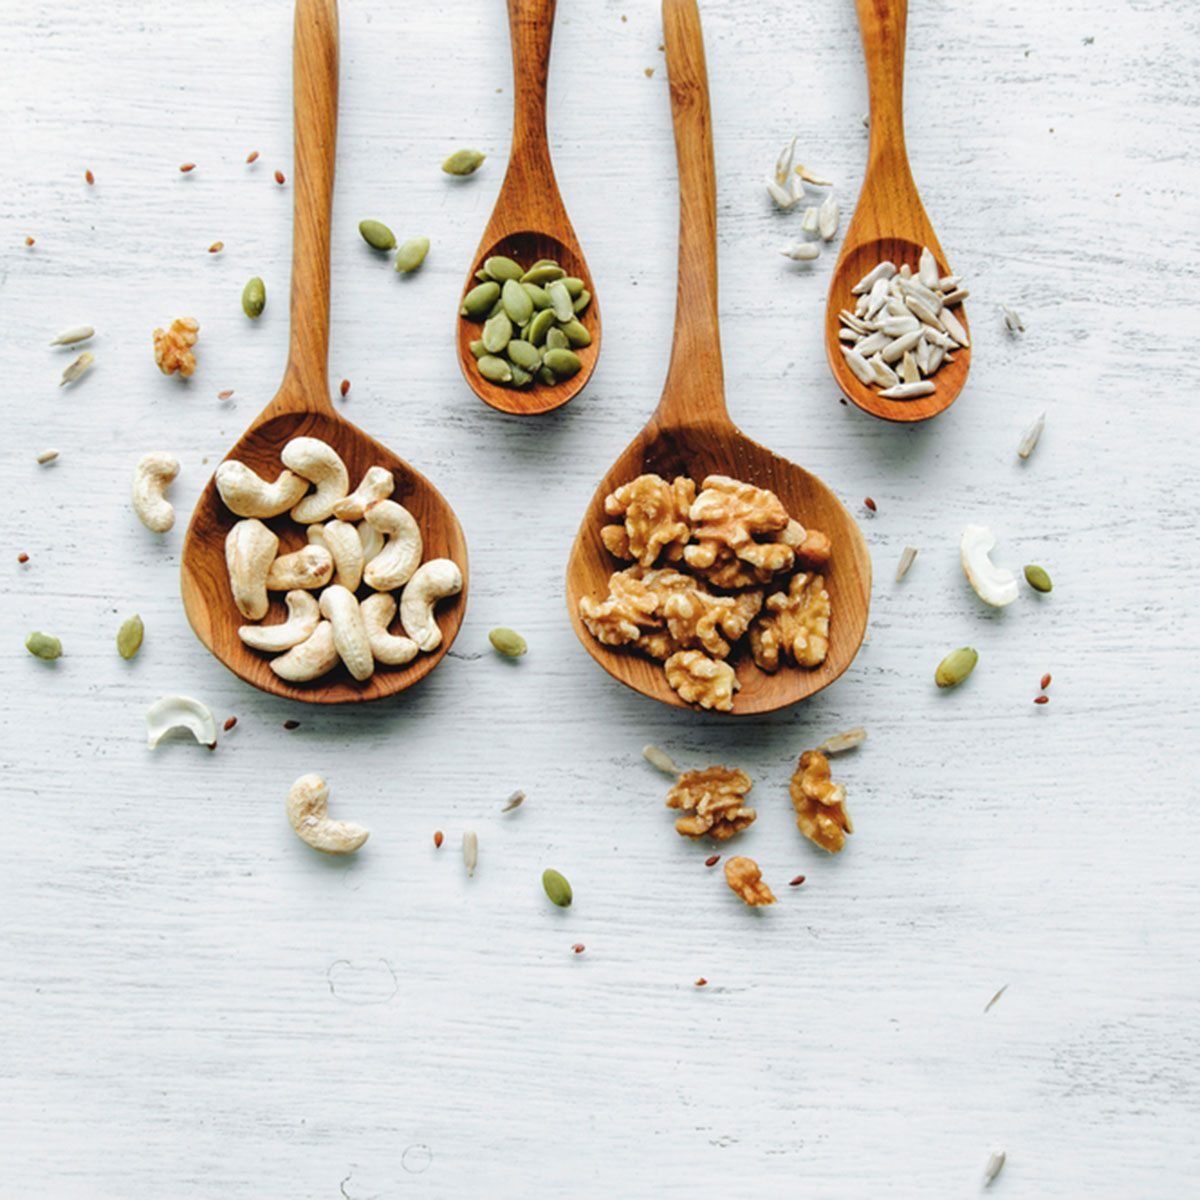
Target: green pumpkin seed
(556, 339)
(254, 298)
(412, 254)
(463, 162)
(540, 326)
(543, 272)
(377, 235)
(129, 637)
(524, 354)
(560, 300)
(557, 888)
(564, 363)
(478, 348)
(537, 295)
(497, 332)
(508, 642)
(573, 285)
(955, 667)
(479, 299)
(495, 369)
(501, 268)
(576, 334)
(1038, 578)
(582, 301)
(547, 376)
(42, 645)
(517, 303)
(520, 376)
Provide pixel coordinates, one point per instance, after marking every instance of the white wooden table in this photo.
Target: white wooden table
(193, 1004)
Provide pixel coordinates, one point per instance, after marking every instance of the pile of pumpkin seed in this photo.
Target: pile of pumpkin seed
(531, 326)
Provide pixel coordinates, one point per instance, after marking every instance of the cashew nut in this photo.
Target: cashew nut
(372, 541)
(309, 567)
(150, 479)
(994, 585)
(341, 539)
(247, 494)
(319, 463)
(180, 712)
(340, 608)
(433, 581)
(249, 552)
(378, 610)
(310, 659)
(393, 566)
(377, 484)
(303, 616)
(307, 809)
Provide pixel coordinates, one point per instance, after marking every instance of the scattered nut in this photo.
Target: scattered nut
(173, 347)
(180, 712)
(746, 882)
(715, 799)
(994, 585)
(307, 810)
(820, 803)
(153, 473)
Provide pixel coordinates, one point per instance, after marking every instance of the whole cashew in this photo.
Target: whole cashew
(994, 585)
(377, 484)
(307, 810)
(311, 659)
(319, 463)
(433, 581)
(372, 541)
(309, 567)
(340, 608)
(247, 494)
(341, 539)
(249, 552)
(303, 616)
(393, 566)
(378, 610)
(150, 479)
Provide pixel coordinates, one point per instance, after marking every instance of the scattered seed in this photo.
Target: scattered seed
(810, 223)
(291, 723)
(225, 395)
(438, 838)
(1041, 699)
(712, 860)
(280, 178)
(22, 557)
(470, 851)
(216, 248)
(805, 174)
(802, 251)
(89, 177)
(1029, 438)
(996, 997)
(508, 642)
(411, 255)
(955, 667)
(377, 235)
(230, 722)
(77, 333)
(660, 759)
(514, 801)
(843, 741)
(77, 368)
(1038, 578)
(463, 162)
(796, 882)
(995, 1164)
(578, 948)
(344, 386)
(46, 456)
(29, 241)
(42, 645)
(1046, 680)
(254, 298)
(186, 167)
(701, 982)
(828, 217)
(870, 504)
(555, 885)
(906, 561)
(649, 72)
(129, 637)
(252, 156)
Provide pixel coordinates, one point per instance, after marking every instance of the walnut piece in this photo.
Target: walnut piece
(812, 550)
(794, 624)
(655, 516)
(729, 514)
(633, 605)
(696, 619)
(745, 879)
(702, 680)
(715, 798)
(820, 803)
(173, 347)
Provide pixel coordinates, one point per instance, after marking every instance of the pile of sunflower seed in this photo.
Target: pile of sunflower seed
(902, 330)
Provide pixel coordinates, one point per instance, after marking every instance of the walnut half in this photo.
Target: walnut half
(715, 798)
(173, 347)
(702, 680)
(655, 515)
(820, 803)
(794, 624)
(745, 880)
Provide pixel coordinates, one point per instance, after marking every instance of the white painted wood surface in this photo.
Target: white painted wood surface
(193, 1004)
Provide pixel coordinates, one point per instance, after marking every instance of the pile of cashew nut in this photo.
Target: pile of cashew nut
(358, 541)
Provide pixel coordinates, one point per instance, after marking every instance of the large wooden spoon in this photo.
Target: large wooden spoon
(691, 433)
(530, 220)
(889, 222)
(302, 407)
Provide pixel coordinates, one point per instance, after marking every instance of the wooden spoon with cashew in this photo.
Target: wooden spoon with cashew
(302, 406)
(691, 433)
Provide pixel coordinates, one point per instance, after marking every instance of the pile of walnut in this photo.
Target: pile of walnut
(358, 540)
(709, 569)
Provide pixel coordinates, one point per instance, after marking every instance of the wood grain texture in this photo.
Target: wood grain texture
(192, 1003)
(529, 220)
(890, 223)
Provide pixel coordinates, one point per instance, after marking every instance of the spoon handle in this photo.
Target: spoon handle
(314, 101)
(883, 25)
(695, 385)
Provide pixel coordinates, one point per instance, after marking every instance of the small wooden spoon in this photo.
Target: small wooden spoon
(691, 433)
(890, 221)
(302, 407)
(530, 220)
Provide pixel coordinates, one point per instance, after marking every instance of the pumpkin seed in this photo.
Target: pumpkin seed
(577, 334)
(557, 888)
(524, 354)
(508, 642)
(539, 326)
(521, 377)
(377, 235)
(538, 295)
(129, 637)
(573, 284)
(556, 339)
(495, 369)
(1038, 578)
(517, 302)
(582, 301)
(497, 332)
(955, 667)
(254, 298)
(564, 363)
(411, 255)
(478, 348)
(546, 376)
(482, 275)
(499, 267)
(560, 300)
(42, 645)
(463, 162)
(543, 271)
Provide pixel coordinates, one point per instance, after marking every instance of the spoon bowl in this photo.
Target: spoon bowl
(691, 433)
(529, 220)
(302, 407)
(890, 222)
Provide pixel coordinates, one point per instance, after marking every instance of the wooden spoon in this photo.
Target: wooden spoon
(691, 433)
(530, 221)
(302, 407)
(890, 221)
